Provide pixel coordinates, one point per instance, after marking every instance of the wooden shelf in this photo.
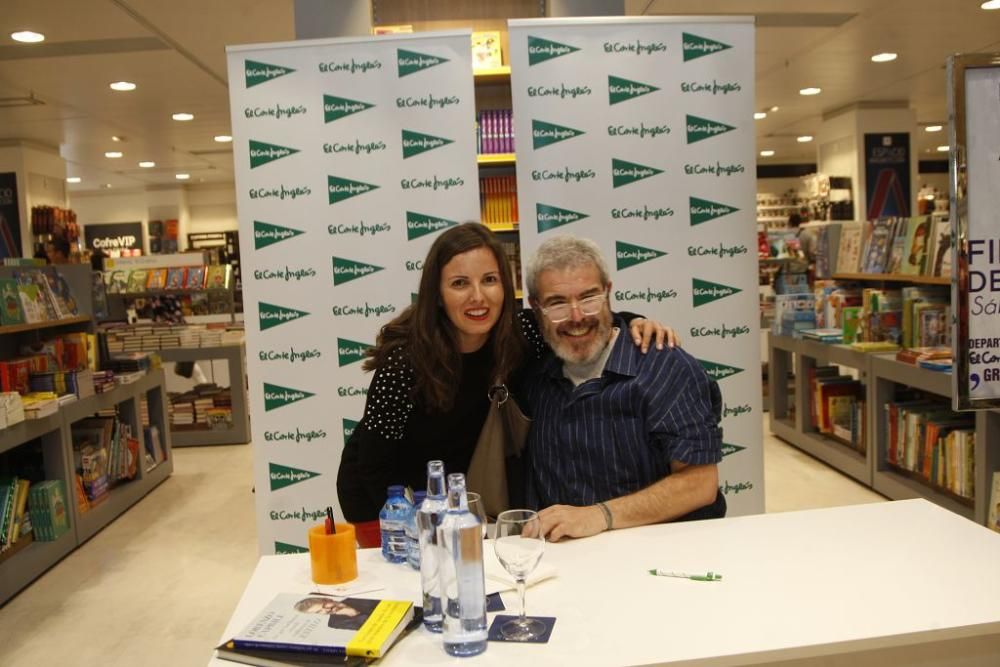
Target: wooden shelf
(502, 226)
(492, 75)
(894, 278)
(47, 324)
(496, 159)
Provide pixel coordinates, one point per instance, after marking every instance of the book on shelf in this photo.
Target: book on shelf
(914, 355)
(849, 253)
(918, 234)
(118, 282)
(311, 624)
(486, 50)
(175, 277)
(11, 312)
(827, 335)
(994, 517)
(156, 280)
(217, 276)
(926, 438)
(137, 280)
(939, 253)
(47, 507)
(878, 244)
(195, 278)
(60, 293)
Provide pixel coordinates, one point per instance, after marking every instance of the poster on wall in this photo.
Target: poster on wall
(113, 237)
(887, 175)
(974, 107)
(639, 135)
(351, 156)
(10, 220)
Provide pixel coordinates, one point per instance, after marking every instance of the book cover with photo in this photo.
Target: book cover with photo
(137, 280)
(918, 233)
(939, 263)
(175, 277)
(195, 278)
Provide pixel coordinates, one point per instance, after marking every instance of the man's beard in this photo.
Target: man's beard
(584, 351)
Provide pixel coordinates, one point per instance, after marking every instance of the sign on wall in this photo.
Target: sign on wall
(113, 236)
(10, 220)
(638, 134)
(887, 175)
(351, 156)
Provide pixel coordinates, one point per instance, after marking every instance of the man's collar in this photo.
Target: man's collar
(622, 361)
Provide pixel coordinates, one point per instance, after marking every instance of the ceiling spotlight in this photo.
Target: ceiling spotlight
(123, 86)
(943, 149)
(106, 186)
(223, 138)
(766, 153)
(933, 128)
(113, 154)
(182, 177)
(760, 115)
(883, 57)
(183, 116)
(147, 164)
(27, 36)
(990, 4)
(773, 109)
(804, 139)
(73, 179)
(810, 91)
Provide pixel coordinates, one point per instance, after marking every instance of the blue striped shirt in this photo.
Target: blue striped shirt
(617, 434)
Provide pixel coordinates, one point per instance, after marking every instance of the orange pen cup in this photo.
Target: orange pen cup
(334, 558)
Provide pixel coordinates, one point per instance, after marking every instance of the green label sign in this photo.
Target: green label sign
(728, 449)
(410, 62)
(646, 295)
(627, 255)
(282, 476)
(262, 153)
(623, 173)
(550, 217)
(351, 66)
(335, 108)
(285, 549)
(257, 73)
(620, 90)
(418, 224)
(720, 331)
(276, 396)
(544, 134)
(265, 234)
(340, 189)
(349, 426)
(698, 47)
(704, 292)
(271, 315)
(718, 371)
(699, 129)
(415, 143)
(643, 213)
(298, 435)
(640, 131)
(703, 210)
(540, 50)
(351, 351)
(346, 270)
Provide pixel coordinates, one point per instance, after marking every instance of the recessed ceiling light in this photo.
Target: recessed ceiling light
(766, 153)
(773, 109)
(182, 177)
(883, 57)
(106, 186)
(27, 36)
(223, 138)
(123, 86)
(146, 164)
(73, 179)
(933, 128)
(991, 4)
(810, 91)
(113, 154)
(943, 149)
(804, 139)
(760, 115)
(183, 116)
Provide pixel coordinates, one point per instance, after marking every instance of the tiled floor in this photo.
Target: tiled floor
(158, 585)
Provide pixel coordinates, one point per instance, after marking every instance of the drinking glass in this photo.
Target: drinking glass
(519, 545)
(477, 508)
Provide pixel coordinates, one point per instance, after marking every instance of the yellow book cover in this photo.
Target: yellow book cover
(486, 50)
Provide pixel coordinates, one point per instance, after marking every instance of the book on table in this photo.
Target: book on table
(315, 624)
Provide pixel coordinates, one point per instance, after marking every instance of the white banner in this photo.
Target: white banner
(638, 133)
(350, 155)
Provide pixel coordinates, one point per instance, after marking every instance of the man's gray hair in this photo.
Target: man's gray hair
(564, 252)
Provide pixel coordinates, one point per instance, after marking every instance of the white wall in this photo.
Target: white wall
(212, 209)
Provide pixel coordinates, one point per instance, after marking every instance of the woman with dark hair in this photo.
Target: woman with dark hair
(434, 365)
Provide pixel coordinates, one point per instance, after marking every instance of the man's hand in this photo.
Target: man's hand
(559, 521)
(644, 330)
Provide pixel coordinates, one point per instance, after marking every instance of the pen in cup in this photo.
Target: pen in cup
(710, 576)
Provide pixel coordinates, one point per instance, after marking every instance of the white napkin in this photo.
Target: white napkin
(366, 582)
(499, 580)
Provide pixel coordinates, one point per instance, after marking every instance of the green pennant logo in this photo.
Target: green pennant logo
(627, 255)
(623, 173)
(418, 224)
(540, 50)
(346, 270)
(276, 396)
(340, 189)
(415, 143)
(409, 62)
(257, 73)
(718, 371)
(550, 217)
(349, 426)
(261, 153)
(704, 292)
(699, 129)
(271, 315)
(543, 134)
(265, 234)
(728, 449)
(351, 351)
(703, 210)
(284, 549)
(697, 47)
(282, 476)
(335, 108)
(620, 90)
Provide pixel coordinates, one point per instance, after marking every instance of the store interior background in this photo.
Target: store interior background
(57, 119)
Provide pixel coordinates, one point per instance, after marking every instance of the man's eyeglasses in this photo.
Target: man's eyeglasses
(588, 306)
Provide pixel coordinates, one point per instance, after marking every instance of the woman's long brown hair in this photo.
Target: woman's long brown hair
(429, 337)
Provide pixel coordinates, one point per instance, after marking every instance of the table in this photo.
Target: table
(892, 583)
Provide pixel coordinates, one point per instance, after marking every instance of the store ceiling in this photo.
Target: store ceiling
(175, 52)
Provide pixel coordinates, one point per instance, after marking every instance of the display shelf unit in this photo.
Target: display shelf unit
(894, 278)
(55, 434)
(496, 159)
(47, 324)
(117, 300)
(235, 357)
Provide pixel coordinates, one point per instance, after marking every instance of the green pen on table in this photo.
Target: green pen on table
(711, 576)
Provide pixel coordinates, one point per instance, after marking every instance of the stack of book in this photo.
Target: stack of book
(901, 246)
(927, 439)
(181, 411)
(40, 404)
(77, 383)
(793, 313)
(104, 380)
(11, 409)
(133, 362)
(498, 200)
(495, 131)
(837, 408)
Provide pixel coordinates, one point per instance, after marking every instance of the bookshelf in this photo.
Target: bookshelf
(496, 159)
(894, 278)
(48, 324)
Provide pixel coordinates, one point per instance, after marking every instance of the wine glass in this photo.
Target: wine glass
(519, 545)
(477, 508)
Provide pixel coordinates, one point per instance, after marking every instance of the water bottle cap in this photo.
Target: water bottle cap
(418, 496)
(395, 489)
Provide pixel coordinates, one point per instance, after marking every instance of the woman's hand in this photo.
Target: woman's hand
(644, 330)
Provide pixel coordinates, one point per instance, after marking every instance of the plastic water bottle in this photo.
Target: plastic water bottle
(392, 524)
(462, 581)
(429, 516)
(412, 534)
